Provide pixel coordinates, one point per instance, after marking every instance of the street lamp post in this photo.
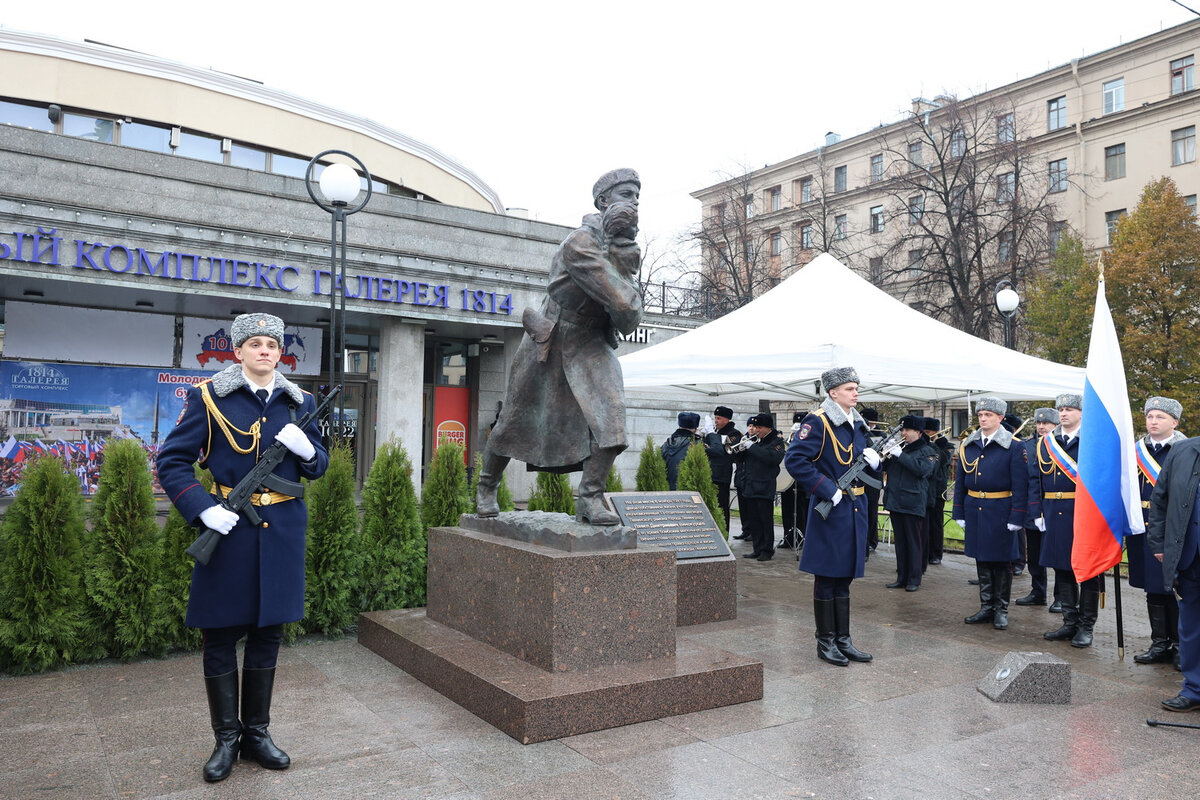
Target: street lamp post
(340, 186)
(1007, 301)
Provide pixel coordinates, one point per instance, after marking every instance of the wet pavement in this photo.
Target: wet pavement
(909, 725)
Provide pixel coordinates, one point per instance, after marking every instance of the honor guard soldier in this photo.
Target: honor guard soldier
(758, 459)
(1052, 487)
(675, 448)
(1045, 420)
(793, 503)
(827, 444)
(1145, 572)
(991, 486)
(935, 519)
(254, 582)
(908, 470)
(720, 462)
(874, 437)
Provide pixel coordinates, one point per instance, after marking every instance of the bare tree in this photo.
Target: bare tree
(968, 206)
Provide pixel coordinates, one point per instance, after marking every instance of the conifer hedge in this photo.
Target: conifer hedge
(695, 475)
(444, 495)
(652, 470)
(552, 492)
(334, 551)
(393, 574)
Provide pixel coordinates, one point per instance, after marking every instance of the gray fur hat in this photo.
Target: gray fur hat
(1069, 400)
(993, 404)
(688, 419)
(1166, 405)
(247, 325)
(1046, 415)
(833, 378)
(610, 179)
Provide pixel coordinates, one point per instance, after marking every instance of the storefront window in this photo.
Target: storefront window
(451, 364)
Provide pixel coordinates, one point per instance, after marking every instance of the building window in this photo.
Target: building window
(1114, 162)
(1183, 145)
(81, 126)
(958, 200)
(290, 165)
(1114, 96)
(147, 137)
(196, 145)
(775, 198)
(1058, 175)
(914, 157)
(1056, 113)
(748, 252)
(916, 264)
(776, 244)
(916, 208)
(839, 178)
(1183, 76)
(1004, 250)
(958, 143)
(748, 206)
(875, 265)
(1111, 218)
(1055, 235)
(1191, 203)
(241, 155)
(806, 240)
(23, 115)
(1006, 128)
(805, 192)
(839, 227)
(718, 212)
(876, 167)
(1006, 185)
(876, 219)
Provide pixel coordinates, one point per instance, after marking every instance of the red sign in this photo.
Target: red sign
(451, 407)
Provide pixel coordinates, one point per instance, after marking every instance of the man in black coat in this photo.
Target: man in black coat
(935, 517)
(758, 467)
(675, 448)
(1173, 538)
(908, 472)
(873, 440)
(719, 461)
(793, 502)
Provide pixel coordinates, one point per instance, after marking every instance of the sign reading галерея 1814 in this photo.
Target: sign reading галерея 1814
(678, 521)
(47, 249)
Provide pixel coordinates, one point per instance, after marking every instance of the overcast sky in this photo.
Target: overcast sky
(540, 98)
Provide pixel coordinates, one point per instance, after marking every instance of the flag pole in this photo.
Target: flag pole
(1117, 608)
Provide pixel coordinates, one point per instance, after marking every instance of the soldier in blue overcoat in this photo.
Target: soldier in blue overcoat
(1145, 572)
(825, 446)
(254, 582)
(1044, 421)
(991, 485)
(1052, 504)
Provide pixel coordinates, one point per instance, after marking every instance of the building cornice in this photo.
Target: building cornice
(242, 89)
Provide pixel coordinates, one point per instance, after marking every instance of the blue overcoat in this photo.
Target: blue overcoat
(999, 468)
(1046, 482)
(1136, 548)
(834, 547)
(256, 575)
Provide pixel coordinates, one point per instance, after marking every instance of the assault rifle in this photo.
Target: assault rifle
(857, 471)
(238, 500)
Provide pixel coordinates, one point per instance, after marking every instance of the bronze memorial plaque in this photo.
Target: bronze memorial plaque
(678, 521)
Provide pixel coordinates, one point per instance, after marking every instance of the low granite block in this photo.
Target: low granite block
(706, 590)
(1029, 678)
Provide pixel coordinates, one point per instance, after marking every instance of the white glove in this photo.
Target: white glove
(219, 519)
(837, 497)
(796, 426)
(294, 439)
(962, 523)
(872, 457)
(895, 451)
(1014, 528)
(706, 425)
(1040, 524)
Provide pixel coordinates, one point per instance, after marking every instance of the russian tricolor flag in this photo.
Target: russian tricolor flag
(1107, 497)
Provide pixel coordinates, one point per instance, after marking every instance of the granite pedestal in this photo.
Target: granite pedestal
(545, 642)
(1029, 678)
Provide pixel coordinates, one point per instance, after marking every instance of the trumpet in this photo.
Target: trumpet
(740, 445)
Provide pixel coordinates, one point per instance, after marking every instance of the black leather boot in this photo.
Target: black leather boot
(1068, 597)
(1032, 599)
(985, 612)
(841, 615)
(1001, 589)
(1089, 610)
(1162, 649)
(256, 716)
(222, 693)
(490, 473)
(589, 506)
(827, 649)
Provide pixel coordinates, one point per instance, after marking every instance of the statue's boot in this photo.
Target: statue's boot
(486, 504)
(589, 506)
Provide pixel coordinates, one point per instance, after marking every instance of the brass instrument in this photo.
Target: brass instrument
(740, 445)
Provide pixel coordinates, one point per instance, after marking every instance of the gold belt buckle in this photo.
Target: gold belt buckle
(264, 499)
(1058, 495)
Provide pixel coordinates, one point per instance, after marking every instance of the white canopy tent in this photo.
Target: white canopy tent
(824, 316)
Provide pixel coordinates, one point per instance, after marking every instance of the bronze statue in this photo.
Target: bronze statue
(565, 406)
